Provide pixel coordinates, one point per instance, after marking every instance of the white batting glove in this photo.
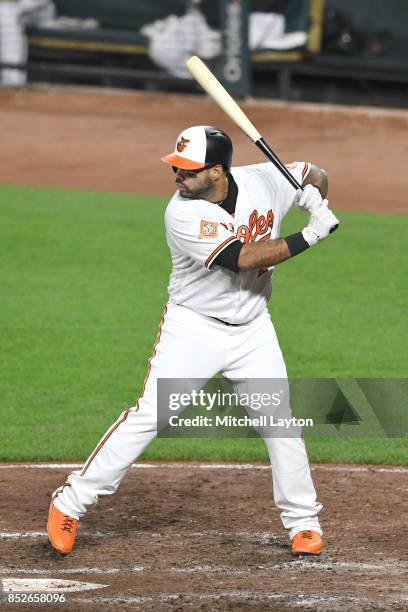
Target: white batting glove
(308, 198)
(322, 222)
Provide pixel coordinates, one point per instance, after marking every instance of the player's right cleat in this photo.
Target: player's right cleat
(61, 530)
(307, 543)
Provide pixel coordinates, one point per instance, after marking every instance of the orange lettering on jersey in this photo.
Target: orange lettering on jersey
(259, 227)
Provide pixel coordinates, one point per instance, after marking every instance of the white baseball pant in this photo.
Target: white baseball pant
(190, 345)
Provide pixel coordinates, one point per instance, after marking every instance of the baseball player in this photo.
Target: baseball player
(222, 228)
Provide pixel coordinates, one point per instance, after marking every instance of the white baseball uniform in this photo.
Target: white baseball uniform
(194, 340)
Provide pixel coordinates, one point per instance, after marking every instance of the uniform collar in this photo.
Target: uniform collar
(231, 200)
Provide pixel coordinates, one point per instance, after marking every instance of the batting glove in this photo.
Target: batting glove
(308, 198)
(322, 222)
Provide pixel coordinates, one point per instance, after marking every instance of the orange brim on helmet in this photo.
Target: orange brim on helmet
(181, 162)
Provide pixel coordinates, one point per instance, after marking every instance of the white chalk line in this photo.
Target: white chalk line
(314, 601)
(262, 538)
(297, 565)
(300, 565)
(36, 571)
(213, 466)
(362, 468)
(17, 535)
(300, 600)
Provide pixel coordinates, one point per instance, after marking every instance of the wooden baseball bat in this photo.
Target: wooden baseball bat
(219, 94)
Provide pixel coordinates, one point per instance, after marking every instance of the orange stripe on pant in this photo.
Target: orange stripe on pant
(121, 420)
(153, 354)
(102, 442)
(96, 451)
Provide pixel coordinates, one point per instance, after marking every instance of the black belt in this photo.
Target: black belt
(229, 324)
(219, 320)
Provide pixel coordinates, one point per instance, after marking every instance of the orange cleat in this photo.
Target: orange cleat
(307, 543)
(61, 530)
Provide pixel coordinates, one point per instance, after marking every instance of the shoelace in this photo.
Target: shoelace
(68, 523)
(307, 534)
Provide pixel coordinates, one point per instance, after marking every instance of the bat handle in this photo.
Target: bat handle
(266, 150)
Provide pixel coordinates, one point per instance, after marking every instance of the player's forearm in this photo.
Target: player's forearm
(263, 254)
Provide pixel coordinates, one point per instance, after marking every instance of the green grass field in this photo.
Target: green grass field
(83, 282)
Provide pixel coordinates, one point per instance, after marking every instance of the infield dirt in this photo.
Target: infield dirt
(184, 537)
(112, 140)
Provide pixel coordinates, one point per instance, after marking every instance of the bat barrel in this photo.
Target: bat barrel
(219, 94)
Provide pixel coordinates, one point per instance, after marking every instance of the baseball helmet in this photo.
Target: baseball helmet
(201, 146)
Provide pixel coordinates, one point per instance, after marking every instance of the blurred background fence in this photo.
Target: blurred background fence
(344, 51)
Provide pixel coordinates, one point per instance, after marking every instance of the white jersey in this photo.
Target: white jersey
(198, 231)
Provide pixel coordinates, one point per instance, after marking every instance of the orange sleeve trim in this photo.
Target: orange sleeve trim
(306, 170)
(218, 250)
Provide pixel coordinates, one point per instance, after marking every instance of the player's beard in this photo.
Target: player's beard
(201, 192)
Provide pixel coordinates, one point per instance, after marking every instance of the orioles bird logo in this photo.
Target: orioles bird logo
(182, 143)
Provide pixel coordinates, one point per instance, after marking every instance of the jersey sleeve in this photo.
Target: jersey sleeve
(228, 258)
(299, 170)
(197, 231)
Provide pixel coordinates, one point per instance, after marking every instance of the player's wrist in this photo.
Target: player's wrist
(310, 236)
(297, 243)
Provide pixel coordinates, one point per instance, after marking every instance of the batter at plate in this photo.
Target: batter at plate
(223, 231)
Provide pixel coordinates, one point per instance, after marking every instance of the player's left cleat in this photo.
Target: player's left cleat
(307, 543)
(61, 530)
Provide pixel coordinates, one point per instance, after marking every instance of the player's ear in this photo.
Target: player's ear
(217, 171)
